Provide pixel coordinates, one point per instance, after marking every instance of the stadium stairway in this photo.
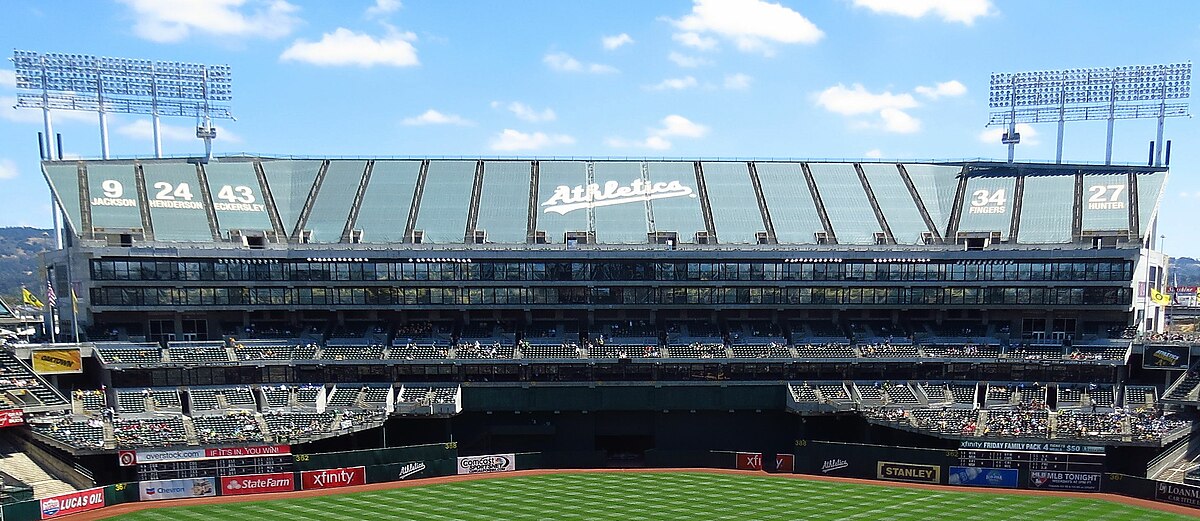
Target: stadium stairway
(18, 465)
(110, 436)
(189, 430)
(262, 426)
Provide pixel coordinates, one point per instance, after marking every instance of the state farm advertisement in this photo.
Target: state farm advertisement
(333, 478)
(164, 456)
(484, 464)
(72, 503)
(257, 484)
(177, 488)
(10, 418)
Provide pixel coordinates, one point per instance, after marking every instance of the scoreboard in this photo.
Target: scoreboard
(214, 467)
(1031, 456)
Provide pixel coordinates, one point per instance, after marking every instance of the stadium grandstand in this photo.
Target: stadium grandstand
(604, 312)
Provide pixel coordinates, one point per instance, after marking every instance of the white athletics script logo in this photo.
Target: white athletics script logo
(831, 465)
(567, 199)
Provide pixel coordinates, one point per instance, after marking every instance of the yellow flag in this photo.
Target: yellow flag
(30, 298)
(74, 302)
(1159, 297)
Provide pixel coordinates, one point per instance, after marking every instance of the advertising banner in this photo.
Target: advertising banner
(257, 484)
(71, 503)
(57, 361)
(749, 461)
(1175, 493)
(1072, 481)
(177, 488)
(1166, 357)
(489, 463)
(333, 478)
(785, 462)
(11, 418)
(168, 455)
(893, 471)
(983, 477)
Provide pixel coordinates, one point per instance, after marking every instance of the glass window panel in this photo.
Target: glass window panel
(558, 176)
(383, 212)
(237, 197)
(446, 201)
(1046, 207)
(846, 203)
(116, 207)
(681, 215)
(1105, 202)
(177, 207)
(327, 220)
(896, 203)
(987, 205)
(735, 211)
(793, 211)
(936, 185)
(290, 183)
(64, 181)
(625, 221)
(503, 204)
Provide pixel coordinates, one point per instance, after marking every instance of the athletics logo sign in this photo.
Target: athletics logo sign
(567, 199)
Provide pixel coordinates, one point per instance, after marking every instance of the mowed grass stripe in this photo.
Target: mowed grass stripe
(632, 496)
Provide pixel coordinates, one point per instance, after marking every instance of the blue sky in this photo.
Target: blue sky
(730, 78)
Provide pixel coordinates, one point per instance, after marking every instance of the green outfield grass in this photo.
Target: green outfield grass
(658, 496)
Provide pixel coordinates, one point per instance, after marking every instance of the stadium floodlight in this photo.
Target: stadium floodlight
(1111, 93)
(101, 84)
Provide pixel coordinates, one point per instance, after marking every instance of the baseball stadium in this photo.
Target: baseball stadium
(285, 337)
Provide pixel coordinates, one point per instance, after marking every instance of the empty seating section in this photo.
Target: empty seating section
(1045, 214)
(697, 329)
(204, 399)
(237, 197)
(825, 351)
(697, 350)
(375, 395)
(987, 206)
(276, 397)
(756, 330)
(329, 212)
(130, 401)
(148, 354)
(870, 394)
(730, 189)
(895, 201)
(845, 203)
(289, 427)
(84, 434)
(964, 393)
(900, 394)
(999, 394)
(352, 352)
(1138, 396)
(836, 392)
(177, 206)
(415, 351)
(239, 398)
(445, 200)
(1101, 395)
(642, 330)
(793, 210)
(383, 212)
(1031, 394)
(936, 393)
(1069, 396)
(886, 350)
(344, 397)
(268, 350)
(149, 432)
(961, 351)
(1115, 352)
(771, 350)
(240, 427)
(165, 399)
(804, 393)
(306, 395)
(432, 394)
(198, 354)
(567, 350)
(1036, 353)
(117, 187)
(681, 215)
(90, 400)
(619, 223)
(553, 176)
(475, 350)
(816, 329)
(16, 379)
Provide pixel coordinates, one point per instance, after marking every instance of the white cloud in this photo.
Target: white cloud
(737, 81)
(616, 41)
(143, 129)
(8, 169)
(433, 117)
(952, 88)
(687, 61)
(686, 82)
(511, 140)
(858, 100)
(8, 79)
(752, 25)
(695, 41)
(383, 7)
(898, 121)
(175, 21)
(527, 113)
(873, 153)
(346, 47)
(991, 136)
(673, 125)
(961, 11)
(561, 61)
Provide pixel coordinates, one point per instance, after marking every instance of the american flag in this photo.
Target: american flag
(51, 297)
